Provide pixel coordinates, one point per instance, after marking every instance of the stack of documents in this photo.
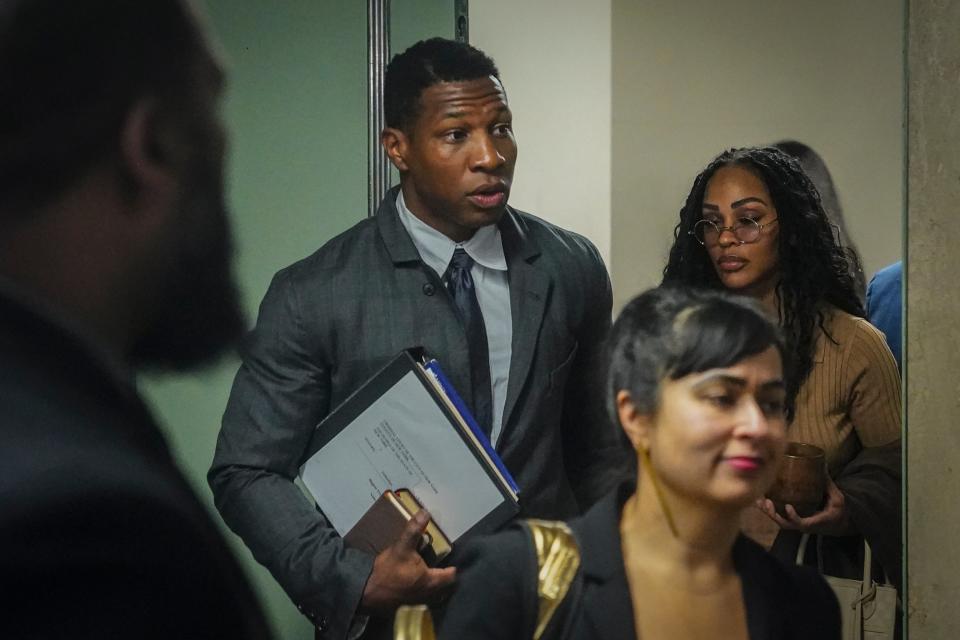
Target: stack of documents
(407, 429)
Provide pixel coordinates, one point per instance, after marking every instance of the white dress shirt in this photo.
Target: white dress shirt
(493, 293)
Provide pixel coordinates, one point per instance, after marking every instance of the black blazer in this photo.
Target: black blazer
(331, 320)
(100, 535)
(496, 595)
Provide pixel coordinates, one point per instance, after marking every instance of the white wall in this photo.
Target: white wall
(554, 57)
(619, 103)
(692, 78)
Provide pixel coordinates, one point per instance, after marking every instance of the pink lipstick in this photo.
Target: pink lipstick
(745, 463)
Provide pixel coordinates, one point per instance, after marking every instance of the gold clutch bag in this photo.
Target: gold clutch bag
(558, 559)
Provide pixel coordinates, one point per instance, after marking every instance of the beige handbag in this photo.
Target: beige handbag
(868, 610)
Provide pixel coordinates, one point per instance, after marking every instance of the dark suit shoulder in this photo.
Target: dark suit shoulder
(578, 267)
(496, 594)
(797, 579)
(552, 238)
(140, 560)
(307, 287)
(799, 595)
(336, 252)
(84, 511)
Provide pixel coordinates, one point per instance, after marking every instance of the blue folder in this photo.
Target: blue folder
(434, 367)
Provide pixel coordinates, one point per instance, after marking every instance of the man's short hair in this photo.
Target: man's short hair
(71, 73)
(423, 65)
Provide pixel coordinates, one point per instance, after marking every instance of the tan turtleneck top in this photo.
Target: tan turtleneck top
(850, 401)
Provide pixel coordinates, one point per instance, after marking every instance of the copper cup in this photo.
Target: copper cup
(801, 480)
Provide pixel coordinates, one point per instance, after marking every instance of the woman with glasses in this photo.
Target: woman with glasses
(754, 224)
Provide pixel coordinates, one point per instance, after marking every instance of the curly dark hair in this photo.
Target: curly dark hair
(814, 269)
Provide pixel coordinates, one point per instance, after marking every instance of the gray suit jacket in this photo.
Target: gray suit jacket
(330, 321)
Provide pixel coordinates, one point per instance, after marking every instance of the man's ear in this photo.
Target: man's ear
(635, 424)
(395, 142)
(148, 150)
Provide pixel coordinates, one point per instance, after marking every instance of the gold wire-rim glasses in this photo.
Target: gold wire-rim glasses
(742, 225)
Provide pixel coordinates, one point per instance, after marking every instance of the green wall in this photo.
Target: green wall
(296, 108)
(413, 20)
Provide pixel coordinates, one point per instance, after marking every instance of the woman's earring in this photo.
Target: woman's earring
(644, 451)
(645, 461)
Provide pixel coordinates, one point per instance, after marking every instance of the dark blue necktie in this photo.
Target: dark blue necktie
(461, 287)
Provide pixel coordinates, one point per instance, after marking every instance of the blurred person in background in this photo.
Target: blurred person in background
(885, 306)
(816, 169)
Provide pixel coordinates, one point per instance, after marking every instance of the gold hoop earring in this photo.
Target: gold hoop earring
(657, 488)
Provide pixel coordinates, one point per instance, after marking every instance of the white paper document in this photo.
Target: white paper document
(403, 440)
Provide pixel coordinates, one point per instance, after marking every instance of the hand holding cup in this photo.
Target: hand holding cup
(803, 497)
(801, 480)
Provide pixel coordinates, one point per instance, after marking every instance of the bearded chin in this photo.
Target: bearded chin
(195, 314)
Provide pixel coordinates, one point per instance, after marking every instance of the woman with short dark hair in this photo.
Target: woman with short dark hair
(696, 384)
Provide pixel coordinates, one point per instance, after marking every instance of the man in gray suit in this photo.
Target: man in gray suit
(514, 308)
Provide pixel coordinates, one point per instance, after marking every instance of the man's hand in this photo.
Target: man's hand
(400, 576)
(831, 520)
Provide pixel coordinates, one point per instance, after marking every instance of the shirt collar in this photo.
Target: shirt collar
(436, 249)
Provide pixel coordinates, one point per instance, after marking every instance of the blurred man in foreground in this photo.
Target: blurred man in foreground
(114, 256)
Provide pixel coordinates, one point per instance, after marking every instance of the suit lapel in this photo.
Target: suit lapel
(607, 609)
(396, 240)
(606, 606)
(758, 601)
(529, 290)
(447, 335)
